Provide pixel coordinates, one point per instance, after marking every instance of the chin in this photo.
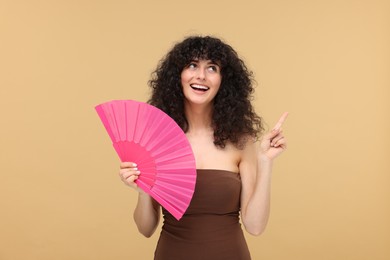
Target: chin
(198, 101)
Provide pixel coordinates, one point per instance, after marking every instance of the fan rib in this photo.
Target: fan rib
(116, 123)
(126, 125)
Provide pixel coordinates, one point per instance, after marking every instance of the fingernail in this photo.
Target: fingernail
(134, 164)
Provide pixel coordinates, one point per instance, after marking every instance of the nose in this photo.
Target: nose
(201, 75)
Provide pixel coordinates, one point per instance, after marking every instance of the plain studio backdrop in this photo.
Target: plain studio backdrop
(326, 62)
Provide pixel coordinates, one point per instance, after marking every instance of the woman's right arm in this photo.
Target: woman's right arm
(147, 212)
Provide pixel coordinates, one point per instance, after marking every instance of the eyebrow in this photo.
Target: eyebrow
(211, 62)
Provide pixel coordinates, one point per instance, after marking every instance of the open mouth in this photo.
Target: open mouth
(199, 87)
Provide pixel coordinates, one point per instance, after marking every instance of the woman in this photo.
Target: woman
(206, 88)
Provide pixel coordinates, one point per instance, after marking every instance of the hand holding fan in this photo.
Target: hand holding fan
(144, 134)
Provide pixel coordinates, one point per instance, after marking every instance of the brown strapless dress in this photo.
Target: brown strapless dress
(210, 228)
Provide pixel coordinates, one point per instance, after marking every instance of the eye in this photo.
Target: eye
(213, 68)
(192, 65)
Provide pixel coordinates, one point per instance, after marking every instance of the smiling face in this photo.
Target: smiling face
(201, 80)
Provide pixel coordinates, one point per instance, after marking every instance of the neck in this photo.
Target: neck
(198, 116)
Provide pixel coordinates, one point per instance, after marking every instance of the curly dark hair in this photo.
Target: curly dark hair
(233, 119)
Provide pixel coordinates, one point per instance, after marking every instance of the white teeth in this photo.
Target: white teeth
(199, 87)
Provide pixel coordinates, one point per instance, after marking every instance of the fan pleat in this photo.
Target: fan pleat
(166, 159)
(170, 196)
(185, 183)
(131, 111)
(153, 132)
(171, 177)
(160, 132)
(172, 164)
(164, 138)
(182, 172)
(149, 182)
(132, 152)
(115, 113)
(120, 116)
(176, 212)
(104, 115)
(142, 123)
(173, 147)
(180, 188)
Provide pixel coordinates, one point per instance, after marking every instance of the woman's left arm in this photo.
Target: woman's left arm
(255, 169)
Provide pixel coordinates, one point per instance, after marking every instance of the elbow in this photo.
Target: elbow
(145, 230)
(145, 233)
(256, 231)
(255, 224)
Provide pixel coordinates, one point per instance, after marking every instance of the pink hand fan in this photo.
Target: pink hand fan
(144, 134)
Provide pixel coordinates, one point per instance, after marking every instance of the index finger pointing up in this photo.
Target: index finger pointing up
(281, 121)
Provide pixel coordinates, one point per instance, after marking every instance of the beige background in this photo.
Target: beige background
(326, 62)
